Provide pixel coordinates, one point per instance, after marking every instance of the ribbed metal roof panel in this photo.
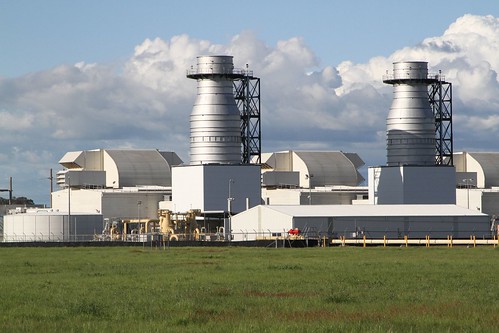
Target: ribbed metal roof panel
(490, 166)
(141, 167)
(332, 167)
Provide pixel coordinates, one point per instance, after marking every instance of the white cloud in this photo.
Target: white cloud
(16, 122)
(305, 104)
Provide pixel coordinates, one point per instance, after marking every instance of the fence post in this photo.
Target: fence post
(406, 241)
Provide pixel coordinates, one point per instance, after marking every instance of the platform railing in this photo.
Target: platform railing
(321, 238)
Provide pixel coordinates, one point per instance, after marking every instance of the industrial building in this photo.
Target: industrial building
(372, 221)
(230, 190)
(119, 184)
(328, 177)
(47, 225)
(97, 186)
(108, 168)
(477, 178)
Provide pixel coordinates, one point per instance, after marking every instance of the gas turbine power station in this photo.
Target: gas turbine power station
(411, 174)
(231, 191)
(216, 181)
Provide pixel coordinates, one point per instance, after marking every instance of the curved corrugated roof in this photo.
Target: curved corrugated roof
(332, 167)
(489, 162)
(141, 167)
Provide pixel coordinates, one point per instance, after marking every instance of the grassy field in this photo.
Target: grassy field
(340, 289)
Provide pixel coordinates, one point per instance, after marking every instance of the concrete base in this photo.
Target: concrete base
(208, 187)
(412, 185)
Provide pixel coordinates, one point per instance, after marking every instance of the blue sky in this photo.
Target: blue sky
(36, 35)
(78, 75)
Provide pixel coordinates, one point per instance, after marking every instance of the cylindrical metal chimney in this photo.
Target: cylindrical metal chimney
(215, 118)
(410, 125)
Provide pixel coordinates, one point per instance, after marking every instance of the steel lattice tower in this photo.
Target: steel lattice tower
(440, 97)
(247, 96)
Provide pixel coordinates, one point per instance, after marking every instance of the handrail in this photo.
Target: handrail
(429, 76)
(235, 71)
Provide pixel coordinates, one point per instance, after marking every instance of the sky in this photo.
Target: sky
(78, 75)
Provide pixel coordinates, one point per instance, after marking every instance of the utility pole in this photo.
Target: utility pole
(51, 178)
(8, 190)
(229, 210)
(309, 177)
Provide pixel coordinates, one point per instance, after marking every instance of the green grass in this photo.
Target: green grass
(236, 289)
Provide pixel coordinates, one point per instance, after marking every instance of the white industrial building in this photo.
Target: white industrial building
(117, 168)
(409, 184)
(373, 221)
(115, 183)
(312, 168)
(126, 203)
(97, 185)
(477, 178)
(48, 225)
(216, 188)
(312, 177)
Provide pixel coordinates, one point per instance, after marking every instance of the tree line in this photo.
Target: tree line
(17, 201)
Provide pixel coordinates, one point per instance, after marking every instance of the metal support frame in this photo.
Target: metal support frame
(247, 96)
(440, 97)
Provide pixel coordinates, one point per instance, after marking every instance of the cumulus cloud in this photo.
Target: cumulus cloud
(146, 102)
